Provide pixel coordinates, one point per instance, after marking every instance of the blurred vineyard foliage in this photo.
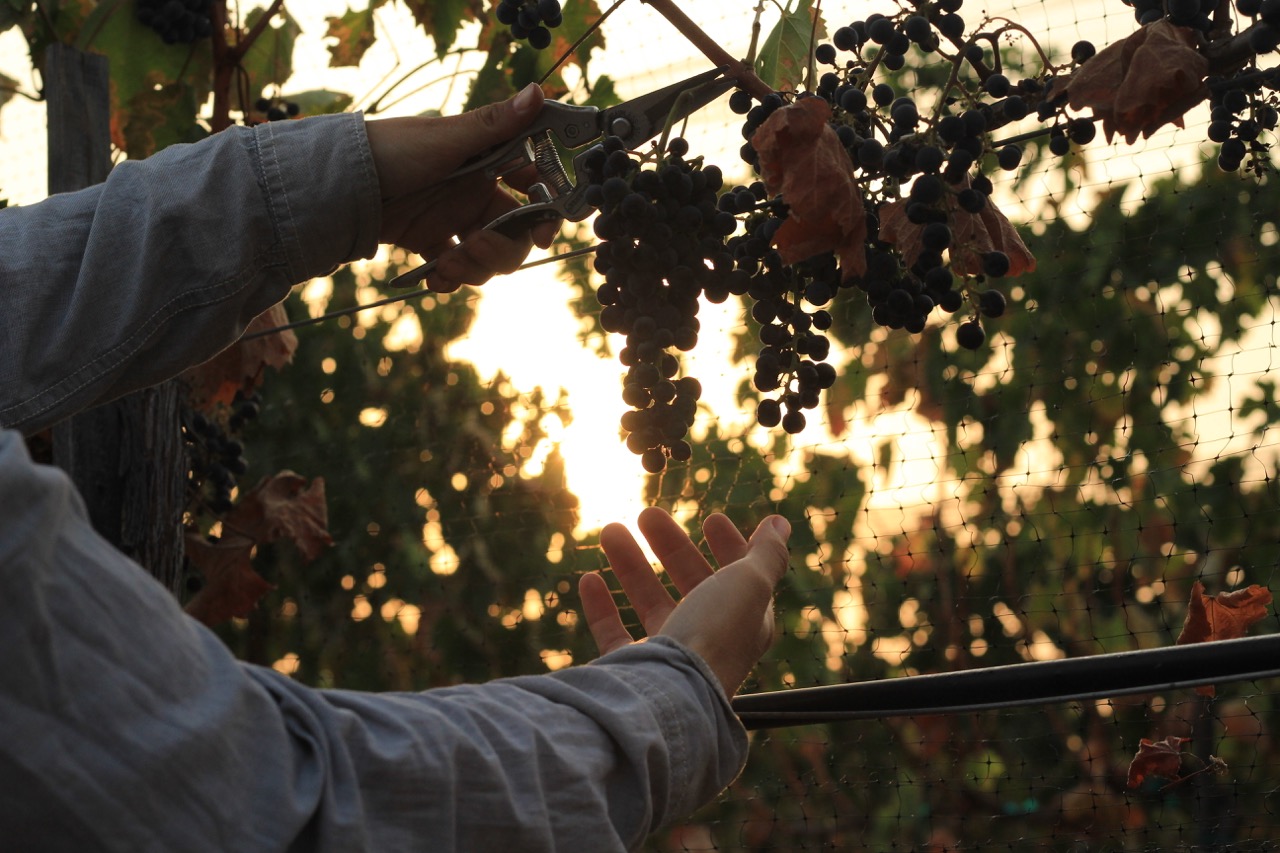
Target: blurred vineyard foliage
(1075, 506)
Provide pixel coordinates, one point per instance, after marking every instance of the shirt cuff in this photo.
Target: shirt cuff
(707, 751)
(322, 188)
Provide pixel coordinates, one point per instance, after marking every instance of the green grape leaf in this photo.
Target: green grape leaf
(603, 93)
(156, 88)
(269, 60)
(314, 102)
(493, 81)
(441, 19)
(783, 62)
(579, 17)
(354, 34)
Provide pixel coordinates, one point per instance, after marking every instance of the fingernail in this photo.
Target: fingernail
(526, 100)
(781, 525)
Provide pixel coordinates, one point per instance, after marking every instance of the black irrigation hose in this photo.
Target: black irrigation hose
(1047, 682)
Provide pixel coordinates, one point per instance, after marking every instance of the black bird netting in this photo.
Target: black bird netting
(1094, 476)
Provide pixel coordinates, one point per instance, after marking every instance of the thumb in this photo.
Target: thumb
(478, 130)
(767, 548)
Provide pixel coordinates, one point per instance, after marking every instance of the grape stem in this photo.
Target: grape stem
(227, 57)
(710, 48)
(755, 33)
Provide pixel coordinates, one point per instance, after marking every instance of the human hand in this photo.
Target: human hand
(725, 616)
(414, 155)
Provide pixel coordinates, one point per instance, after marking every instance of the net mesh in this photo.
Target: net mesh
(1055, 494)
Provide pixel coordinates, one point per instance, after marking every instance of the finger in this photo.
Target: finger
(459, 137)
(767, 550)
(649, 598)
(725, 540)
(545, 234)
(601, 613)
(481, 256)
(674, 549)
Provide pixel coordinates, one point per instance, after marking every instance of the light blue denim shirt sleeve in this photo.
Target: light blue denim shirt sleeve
(123, 285)
(124, 724)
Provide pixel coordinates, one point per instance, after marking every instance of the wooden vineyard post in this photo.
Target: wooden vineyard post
(126, 457)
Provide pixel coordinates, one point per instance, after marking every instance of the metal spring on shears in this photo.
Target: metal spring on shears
(550, 168)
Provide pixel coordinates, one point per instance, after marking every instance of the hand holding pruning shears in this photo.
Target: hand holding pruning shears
(440, 196)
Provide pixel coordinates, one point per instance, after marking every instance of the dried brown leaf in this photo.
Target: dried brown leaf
(231, 587)
(279, 507)
(1162, 758)
(1143, 82)
(283, 506)
(1225, 616)
(239, 367)
(973, 235)
(802, 159)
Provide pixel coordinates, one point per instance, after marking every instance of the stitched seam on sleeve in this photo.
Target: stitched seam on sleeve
(270, 157)
(374, 212)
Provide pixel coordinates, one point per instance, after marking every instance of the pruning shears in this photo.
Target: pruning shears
(554, 197)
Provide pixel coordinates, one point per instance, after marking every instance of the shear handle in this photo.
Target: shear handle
(513, 224)
(572, 125)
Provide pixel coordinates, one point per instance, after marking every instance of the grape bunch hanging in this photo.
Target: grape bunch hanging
(922, 236)
(661, 249)
(531, 19)
(215, 452)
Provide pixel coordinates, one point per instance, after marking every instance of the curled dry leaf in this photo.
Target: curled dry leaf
(284, 507)
(231, 586)
(279, 507)
(239, 366)
(1161, 758)
(972, 236)
(801, 159)
(1225, 616)
(1142, 82)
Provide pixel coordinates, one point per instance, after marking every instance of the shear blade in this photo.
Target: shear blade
(637, 121)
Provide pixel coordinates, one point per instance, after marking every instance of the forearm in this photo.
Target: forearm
(590, 758)
(128, 283)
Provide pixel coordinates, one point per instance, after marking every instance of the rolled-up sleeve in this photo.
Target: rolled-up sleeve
(125, 284)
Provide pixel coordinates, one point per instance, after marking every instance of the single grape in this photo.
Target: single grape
(970, 335)
(793, 422)
(991, 303)
(769, 413)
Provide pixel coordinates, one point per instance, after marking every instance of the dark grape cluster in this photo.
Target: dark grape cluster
(276, 109)
(215, 455)
(177, 21)
(531, 19)
(662, 247)
(791, 363)
(1238, 116)
(890, 142)
(1184, 13)
(1264, 34)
